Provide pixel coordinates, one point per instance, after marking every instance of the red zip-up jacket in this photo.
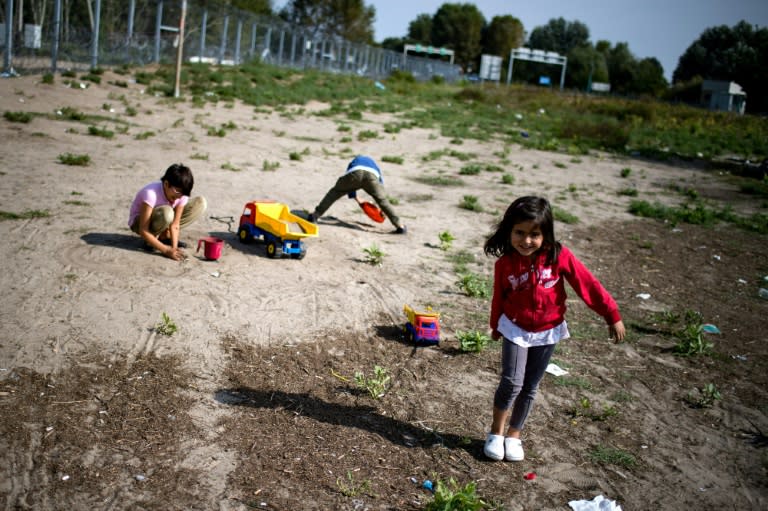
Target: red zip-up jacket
(533, 295)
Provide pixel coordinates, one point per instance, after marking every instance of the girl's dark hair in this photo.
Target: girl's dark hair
(180, 176)
(529, 208)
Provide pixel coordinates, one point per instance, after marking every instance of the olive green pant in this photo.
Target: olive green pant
(358, 180)
(162, 216)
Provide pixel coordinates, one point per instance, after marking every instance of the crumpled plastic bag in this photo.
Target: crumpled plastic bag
(599, 503)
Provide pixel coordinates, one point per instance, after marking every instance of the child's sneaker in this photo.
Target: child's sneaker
(513, 449)
(494, 447)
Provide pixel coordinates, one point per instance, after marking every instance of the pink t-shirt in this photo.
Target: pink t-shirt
(152, 195)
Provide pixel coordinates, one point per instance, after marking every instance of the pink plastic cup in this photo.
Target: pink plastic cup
(212, 247)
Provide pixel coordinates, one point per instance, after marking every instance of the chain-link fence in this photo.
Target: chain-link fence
(141, 32)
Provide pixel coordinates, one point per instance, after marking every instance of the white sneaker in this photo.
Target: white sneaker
(494, 447)
(513, 449)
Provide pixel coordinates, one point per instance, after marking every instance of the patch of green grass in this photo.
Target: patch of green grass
(561, 215)
(20, 117)
(471, 203)
(76, 203)
(79, 160)
(199, 156)
(166, 326)
(229, 166)
(446, 240)
(507, 179)
(470, 170)
(472, 341)
(573, 381)
(453, 497)
(27, 215)
(268, 166)
(48, 78)
(625, 172)
(397, 160)
(474, 285)
(628, 192)
(97, 131)
(352, 488)
(439, 180)
(376, 385)
(368, 135)
(144, 135)
(374, 255)
(611, 456)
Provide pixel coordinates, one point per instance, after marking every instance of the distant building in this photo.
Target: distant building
(723, 96)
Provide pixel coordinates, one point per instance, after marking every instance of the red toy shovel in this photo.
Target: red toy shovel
(373, 212)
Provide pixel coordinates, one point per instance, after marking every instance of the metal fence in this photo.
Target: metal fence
(141, 32)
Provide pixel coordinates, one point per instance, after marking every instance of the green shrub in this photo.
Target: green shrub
(22, 117)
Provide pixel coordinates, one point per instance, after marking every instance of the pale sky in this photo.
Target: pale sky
(653, 28)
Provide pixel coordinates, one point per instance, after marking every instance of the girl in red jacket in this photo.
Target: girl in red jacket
(528, 311)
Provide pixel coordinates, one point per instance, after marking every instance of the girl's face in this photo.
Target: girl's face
(526, 238)
(171, 192)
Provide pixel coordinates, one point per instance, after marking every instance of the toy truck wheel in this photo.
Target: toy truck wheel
(244, 235)
(274, 249)
(300, 254)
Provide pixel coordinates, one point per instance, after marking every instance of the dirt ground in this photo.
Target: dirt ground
(253, 403)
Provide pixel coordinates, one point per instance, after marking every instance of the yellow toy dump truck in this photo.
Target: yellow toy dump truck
(422, 327)
(280, 229)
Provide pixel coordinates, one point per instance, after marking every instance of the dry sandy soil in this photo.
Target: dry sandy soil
(252, 403)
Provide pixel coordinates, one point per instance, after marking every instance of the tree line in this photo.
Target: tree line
(737, 53)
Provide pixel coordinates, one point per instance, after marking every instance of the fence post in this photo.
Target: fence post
(158, 23)
(238, 35)
(280, 47)
(253, 40)
(7, 68)
(95, 40)
(56, 35)
(203, 30)
(180, 50)
(223, 46)
(131, 14)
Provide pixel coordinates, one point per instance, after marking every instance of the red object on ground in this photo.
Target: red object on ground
(373, 212)
(212, 247)
(530, 476)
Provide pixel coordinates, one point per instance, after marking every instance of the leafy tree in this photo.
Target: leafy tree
(737, 53)
(420, 29)
(585, 65)
(503, 34)
(393, 43)
(621, 68)
(559, 36)
(459, 27)
(348, 19)
(649, 78)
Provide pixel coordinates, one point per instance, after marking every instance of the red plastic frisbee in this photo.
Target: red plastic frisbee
(373, 212)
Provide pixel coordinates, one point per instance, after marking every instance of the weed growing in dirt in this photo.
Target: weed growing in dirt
(29, 214)
(691, 336)
(22, 117)
(507, 179)
(80, 160)
(628, 192)
(351, 488)
(439, 180)
(368, 135)
(229, 166)
(166, 326)
(612, 456)
(71, 114)
(474, 285)
(374, 255)
(703, 397)
(470, 170)
(471, 203)
(580, 383)
(472, 341)
(625, 172)
(452, 497)
(96, 131)
(48, 78)
(375, 385)
(397, 160)
(144, 135)
(563, 216)
(585, 409)
(270, 165)
(446, 240)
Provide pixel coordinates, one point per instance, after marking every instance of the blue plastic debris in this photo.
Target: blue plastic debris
(710, 329)
(380, 85)
(524, 134)
(428, 485)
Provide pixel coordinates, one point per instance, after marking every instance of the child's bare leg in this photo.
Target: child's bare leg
(499, 421)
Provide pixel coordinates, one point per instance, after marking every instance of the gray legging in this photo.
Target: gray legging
(357, 180)
(162, 216)
(521, 371)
